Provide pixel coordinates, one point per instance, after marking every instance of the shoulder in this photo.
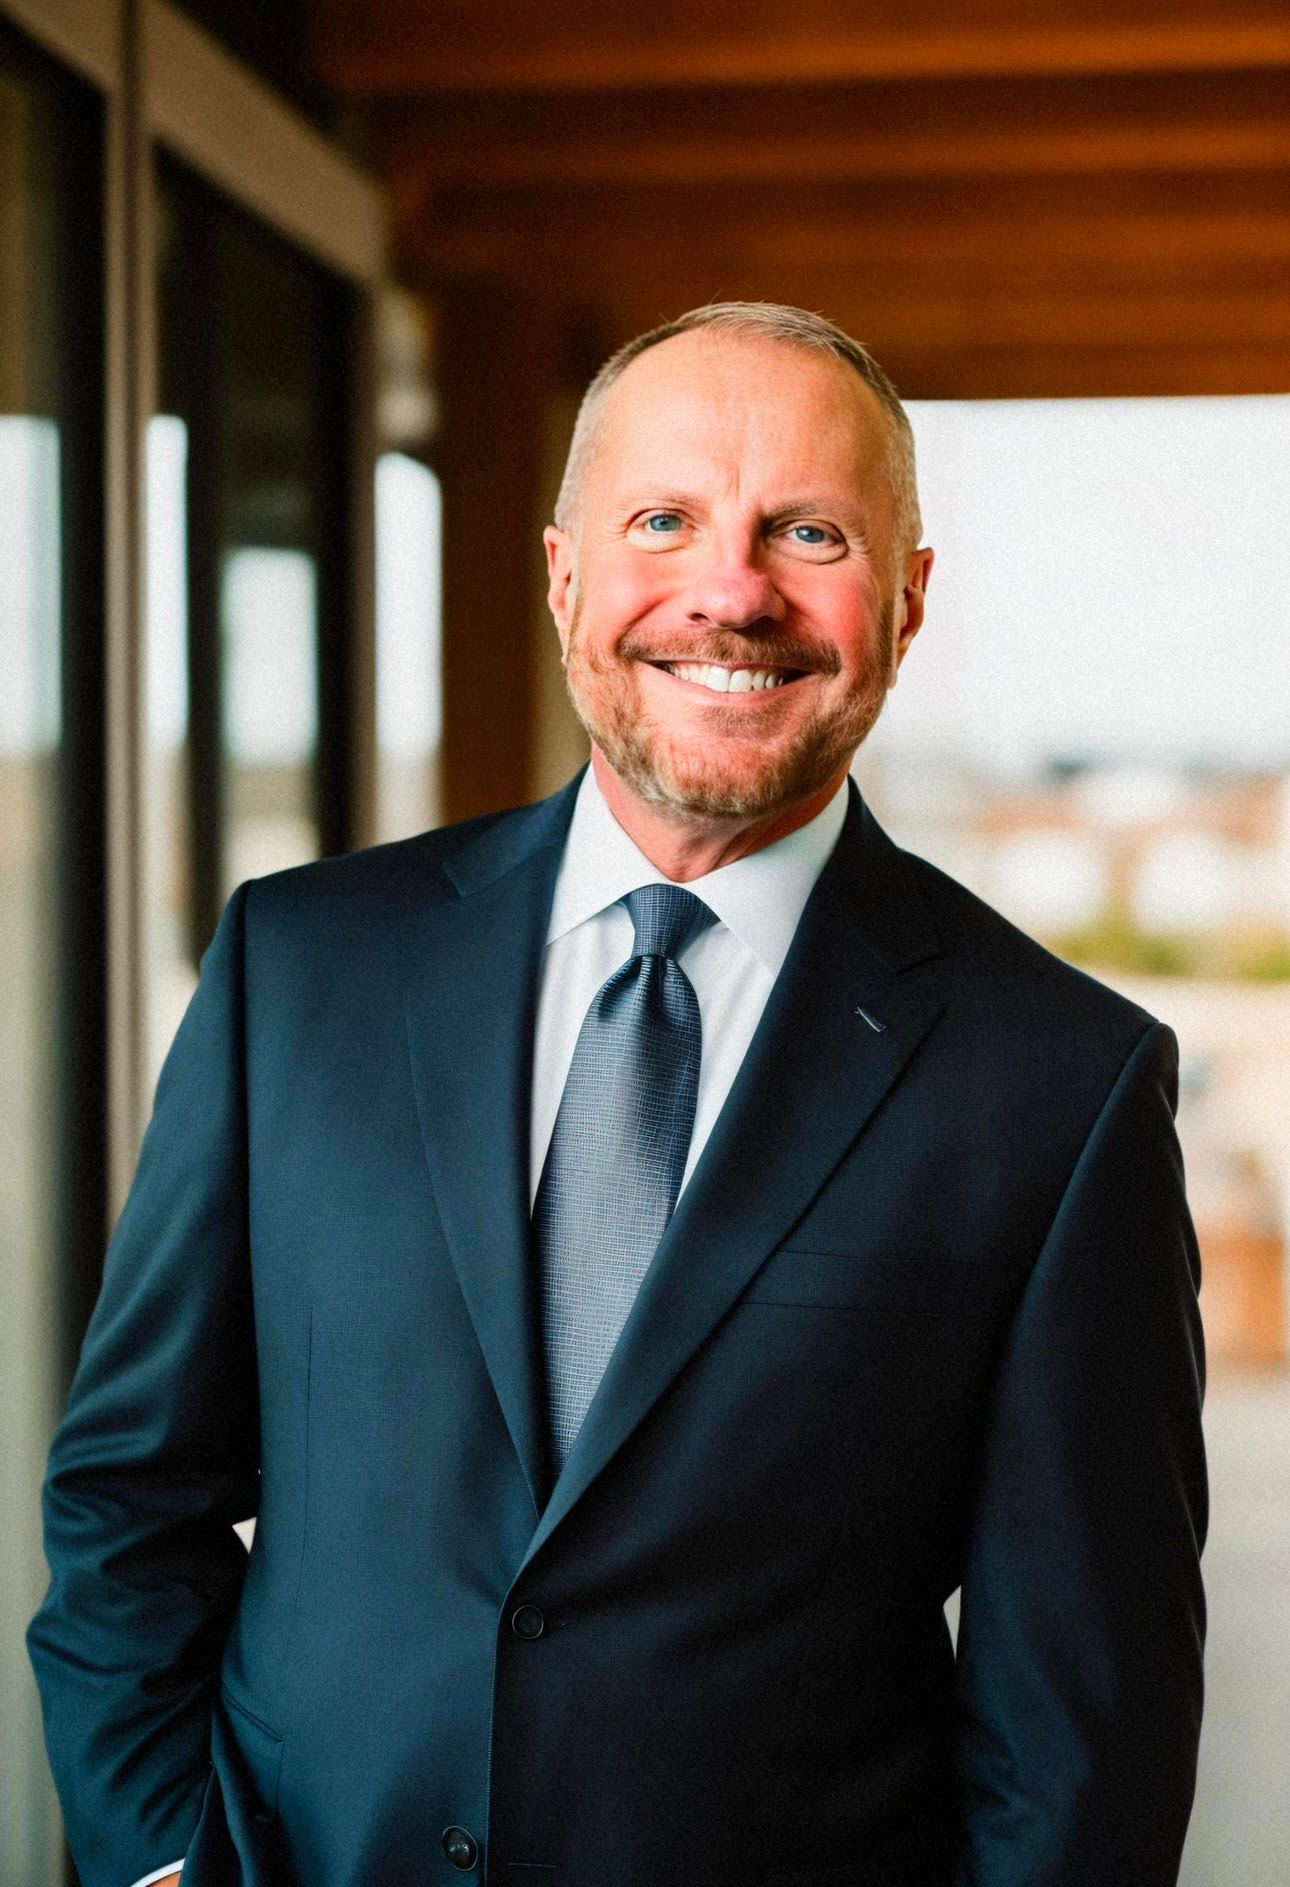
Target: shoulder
(365, 888)
(1018, 993)
(365, 885)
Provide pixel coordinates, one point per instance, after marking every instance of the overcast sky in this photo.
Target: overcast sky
(1110, 575)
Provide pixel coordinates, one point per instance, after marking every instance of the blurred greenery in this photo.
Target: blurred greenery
(1259, 954)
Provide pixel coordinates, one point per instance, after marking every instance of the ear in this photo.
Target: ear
(910, 604)
(560, 591)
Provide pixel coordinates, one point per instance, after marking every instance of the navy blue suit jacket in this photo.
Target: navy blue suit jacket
(926, 1316)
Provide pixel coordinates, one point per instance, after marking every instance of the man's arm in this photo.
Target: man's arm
(1082, 1614)
(155, 1459)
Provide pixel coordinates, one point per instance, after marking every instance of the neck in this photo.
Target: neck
(684, 846)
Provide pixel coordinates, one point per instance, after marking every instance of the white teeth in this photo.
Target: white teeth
(725, 680)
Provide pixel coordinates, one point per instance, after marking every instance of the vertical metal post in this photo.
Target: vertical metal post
(129, 321)
(363, 446)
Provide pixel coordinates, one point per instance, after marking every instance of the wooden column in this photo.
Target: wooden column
(497, 362)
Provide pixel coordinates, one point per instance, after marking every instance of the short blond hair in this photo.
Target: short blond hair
(770, 321)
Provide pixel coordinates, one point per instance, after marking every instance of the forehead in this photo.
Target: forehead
(717, 406)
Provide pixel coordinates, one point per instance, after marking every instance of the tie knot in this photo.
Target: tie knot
(666, 917)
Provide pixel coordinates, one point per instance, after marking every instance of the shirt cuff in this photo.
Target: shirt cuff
(159, 1873)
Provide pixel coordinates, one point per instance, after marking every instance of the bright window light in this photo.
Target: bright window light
(30, 553)
(269, 606)
(408, 630)
(1112, 579)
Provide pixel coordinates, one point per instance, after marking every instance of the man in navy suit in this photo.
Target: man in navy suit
(569, 1574)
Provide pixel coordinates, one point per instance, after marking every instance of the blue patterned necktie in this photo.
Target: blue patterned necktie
(618, 1150)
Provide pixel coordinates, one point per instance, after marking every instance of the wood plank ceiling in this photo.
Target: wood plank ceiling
(1004, 198)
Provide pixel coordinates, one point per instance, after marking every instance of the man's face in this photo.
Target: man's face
(736, 516)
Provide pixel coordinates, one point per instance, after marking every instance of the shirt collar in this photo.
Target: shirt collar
(760, 898)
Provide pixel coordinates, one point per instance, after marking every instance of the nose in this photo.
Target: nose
(733, 591)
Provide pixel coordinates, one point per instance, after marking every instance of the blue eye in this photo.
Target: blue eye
(810, 534)
(663, 522)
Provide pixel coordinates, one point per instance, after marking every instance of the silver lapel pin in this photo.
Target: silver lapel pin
(871, 1020)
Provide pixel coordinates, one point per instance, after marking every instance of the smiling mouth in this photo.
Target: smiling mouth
(721, 678)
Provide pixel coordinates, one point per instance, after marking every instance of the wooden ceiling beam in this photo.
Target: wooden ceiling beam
(991, 150)
(841, 209)
(676, 282)
(365, 50)
(845, 133)
(1223, 283)
(1004, 197)
(1170, 248)
(1062, 372)
(922, 308)
(927, 323)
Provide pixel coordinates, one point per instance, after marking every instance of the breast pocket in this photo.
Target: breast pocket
(886, 1284)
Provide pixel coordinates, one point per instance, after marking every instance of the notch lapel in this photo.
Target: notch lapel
(470, 985)
(816, 1071)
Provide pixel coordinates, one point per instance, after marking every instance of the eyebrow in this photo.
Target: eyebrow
(652, 499)
(811, 504)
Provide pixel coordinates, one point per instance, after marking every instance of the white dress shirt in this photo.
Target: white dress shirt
(732, 964)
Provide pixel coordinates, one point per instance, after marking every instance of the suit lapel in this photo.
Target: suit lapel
(470, 981)
(816, 1071)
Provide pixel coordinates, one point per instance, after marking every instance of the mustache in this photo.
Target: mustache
(733, 651)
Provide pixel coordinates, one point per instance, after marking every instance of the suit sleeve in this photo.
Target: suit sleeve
(1082, 1613)
(155, 1459)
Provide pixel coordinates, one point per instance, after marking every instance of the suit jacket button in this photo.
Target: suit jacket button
(527, 1622)
(461, 1848)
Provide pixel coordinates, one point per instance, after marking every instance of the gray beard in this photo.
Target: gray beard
(684, 783)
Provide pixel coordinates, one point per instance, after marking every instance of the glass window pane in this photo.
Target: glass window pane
(51, 903)
(269, 613)
(29, 759)
(247, 589)
(172, 976)
(408, 670)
